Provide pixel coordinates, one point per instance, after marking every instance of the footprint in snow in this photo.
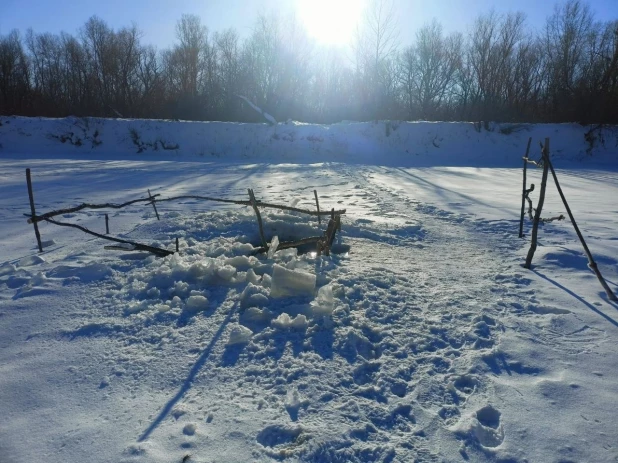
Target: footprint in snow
(30, 261)
(547, 310)
(487, 428)
(277, 434)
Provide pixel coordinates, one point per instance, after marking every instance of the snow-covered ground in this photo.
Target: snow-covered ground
(426, 341)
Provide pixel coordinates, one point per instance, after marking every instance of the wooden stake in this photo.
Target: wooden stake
(31, 196)
(106, 224)
(153, 204)
(259, 217)
(539, 208)
(329, 235)
(523, 192)
(317, 203)
(591, 263)
(177, 249)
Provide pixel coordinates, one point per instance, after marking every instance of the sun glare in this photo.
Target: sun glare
(331, 22)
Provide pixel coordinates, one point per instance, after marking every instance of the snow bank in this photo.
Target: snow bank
(382, 142)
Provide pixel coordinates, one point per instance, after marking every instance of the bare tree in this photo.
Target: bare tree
(276, 65)
(229, 71)
(492, 47)
(375, 46)
(150, 83)
(188, 66)
(525, 88)
(500, 71)
(14, 75)
(427, 70)
(566, 42)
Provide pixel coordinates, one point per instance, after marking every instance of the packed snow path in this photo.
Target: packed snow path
(428, 343)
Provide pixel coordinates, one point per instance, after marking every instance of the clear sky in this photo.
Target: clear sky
(157, 18)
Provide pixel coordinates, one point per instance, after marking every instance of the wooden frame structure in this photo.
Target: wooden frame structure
(323, 242)
(547, 166)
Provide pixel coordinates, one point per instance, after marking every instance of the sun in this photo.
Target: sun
(331, 22)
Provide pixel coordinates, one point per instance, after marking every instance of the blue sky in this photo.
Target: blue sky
(157, 18)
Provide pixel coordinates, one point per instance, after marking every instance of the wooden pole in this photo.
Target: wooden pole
(70, 210)
(106, 224)
(248, 203)
(523, 192)
(140, 247)
(293, 244)
(48, 215)
(32, 210)
(539, 208)
(591, 263)
(317, 203)
(153, 204)
(177, 247)
(259, 217)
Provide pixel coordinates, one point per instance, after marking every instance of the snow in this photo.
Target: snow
(422, 339)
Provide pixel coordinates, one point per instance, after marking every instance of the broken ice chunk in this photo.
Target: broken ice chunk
(274, 244)
(291, 283)
(239, 335)
(284, 321)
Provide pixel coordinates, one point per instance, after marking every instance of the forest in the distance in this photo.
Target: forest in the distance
(499, 70)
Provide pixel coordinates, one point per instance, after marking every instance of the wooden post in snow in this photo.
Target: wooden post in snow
(32, 210)
(523, 192)
(539, 208)
(153, 204)
(334, 224)
(106, 224)
(317, 203)
(591, 263)
(259, 217)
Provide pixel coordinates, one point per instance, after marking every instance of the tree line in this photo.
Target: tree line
(499, 70)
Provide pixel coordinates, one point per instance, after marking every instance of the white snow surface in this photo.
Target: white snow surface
(420, 338)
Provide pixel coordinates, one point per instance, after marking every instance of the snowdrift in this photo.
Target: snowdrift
(380, 142)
